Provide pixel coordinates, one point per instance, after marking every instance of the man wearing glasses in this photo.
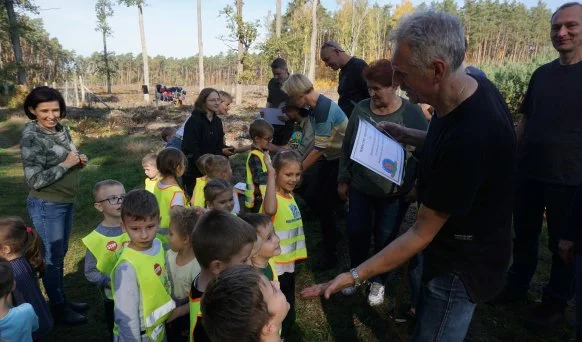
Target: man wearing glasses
(351, 86)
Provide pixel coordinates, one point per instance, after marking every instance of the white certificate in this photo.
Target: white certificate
(378, 152)
(271, 115)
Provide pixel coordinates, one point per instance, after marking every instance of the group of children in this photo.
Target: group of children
(166, 264)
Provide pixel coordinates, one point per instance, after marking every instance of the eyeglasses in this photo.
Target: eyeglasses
(113, 200)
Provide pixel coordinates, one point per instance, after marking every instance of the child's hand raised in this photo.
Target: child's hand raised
(268, 164)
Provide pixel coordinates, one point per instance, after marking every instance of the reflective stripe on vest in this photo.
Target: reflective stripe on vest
(106, 250)
(250, 190)
(273, 269)
(195, 314)
(199, 200)
(289, 227)
(154, 287)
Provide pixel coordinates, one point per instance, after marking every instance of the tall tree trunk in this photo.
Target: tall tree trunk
(239, 64)
(278, 19)
(313, 41)
(200, 52)
(144, 53)
(106, 58)
(15, 39)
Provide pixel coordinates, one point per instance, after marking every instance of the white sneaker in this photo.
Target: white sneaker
(349, 291)
(376, 296)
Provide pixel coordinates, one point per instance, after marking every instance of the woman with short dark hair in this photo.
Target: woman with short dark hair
(51, 169)
(203, 133)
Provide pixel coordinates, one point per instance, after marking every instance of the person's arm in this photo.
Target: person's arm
(344, 174)
(322, 133)
(178, 199)
(92, 274)
(190, 142)
(259, 177)
(408, 136)
(180, 311)
(311, 158)
(426, 227)
(270, 200)
(127, 303)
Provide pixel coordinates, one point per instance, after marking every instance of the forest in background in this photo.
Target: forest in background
(507, 39)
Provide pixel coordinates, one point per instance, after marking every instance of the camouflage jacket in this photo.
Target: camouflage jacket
(43, 153)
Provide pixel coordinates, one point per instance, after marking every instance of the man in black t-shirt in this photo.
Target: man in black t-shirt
(465, 183)
(352, 88)
(277, 98)
(549, 170)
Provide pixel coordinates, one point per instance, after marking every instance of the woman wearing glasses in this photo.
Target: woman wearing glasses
(51, 169)
(203, 133)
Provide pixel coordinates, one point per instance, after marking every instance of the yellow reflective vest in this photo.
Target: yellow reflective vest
(195, 314)
(150, 184)
(165, 196)
(250, 190)
(154, 287)
(199, 200)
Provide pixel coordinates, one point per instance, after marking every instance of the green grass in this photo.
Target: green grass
(116, 155)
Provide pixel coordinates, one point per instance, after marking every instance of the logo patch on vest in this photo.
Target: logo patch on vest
(111, 246)
(158, 269)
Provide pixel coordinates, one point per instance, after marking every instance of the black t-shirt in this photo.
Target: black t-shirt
(467, 171)
(352, 86)
(276, 95)
(551, 150)
(200, 137)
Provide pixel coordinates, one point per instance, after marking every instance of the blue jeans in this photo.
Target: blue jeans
(369, 216)
(531, 198)
(444, 310)
(53, 222)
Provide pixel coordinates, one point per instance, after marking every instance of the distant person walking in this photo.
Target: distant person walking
(549, 172)
(277, 98)
(351, 87)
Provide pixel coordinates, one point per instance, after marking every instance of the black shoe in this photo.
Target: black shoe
(545, 315)
(326, 263)
(78, 307)
(63, 314)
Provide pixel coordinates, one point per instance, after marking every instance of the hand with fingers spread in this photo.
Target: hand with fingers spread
(340, 282)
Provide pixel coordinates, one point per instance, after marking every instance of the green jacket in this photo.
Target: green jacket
(361, 178)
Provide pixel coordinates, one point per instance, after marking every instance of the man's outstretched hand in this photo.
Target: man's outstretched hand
(340, 282)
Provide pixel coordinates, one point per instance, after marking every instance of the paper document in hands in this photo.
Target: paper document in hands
(378, 152)
(271, 115)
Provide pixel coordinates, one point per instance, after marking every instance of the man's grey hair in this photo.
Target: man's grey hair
(566, 5)
(431, 35)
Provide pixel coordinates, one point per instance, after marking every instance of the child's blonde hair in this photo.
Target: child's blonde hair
(149, 158)
(225, 96)
(215, 188)
(215, 165)
(201, 163)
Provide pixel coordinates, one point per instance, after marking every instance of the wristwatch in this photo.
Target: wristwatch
(356, 276)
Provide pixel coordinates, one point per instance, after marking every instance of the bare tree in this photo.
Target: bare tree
(15, 39)
(104, 9)
(278, 19)
(313, 41)
(144, 51)
(200, 52)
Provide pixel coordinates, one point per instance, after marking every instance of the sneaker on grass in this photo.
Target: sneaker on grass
(376, 296)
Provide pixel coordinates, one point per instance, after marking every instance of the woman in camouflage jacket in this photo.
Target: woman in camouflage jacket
(51, 170)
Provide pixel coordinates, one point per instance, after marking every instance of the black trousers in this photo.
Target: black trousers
(109, 307)
(287, 284)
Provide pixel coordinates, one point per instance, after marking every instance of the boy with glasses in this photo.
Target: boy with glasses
(261, 133)
(105, 242)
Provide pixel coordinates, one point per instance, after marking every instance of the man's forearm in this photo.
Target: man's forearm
(414, 137)
(311, 158)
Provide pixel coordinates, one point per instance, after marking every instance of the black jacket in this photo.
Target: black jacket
(200, 137)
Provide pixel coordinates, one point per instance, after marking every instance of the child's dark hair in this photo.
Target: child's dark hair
(256, 220)
(303, 112)
(201, 163)
(139, 205)
(214, 188)
(43, 94)
(284, 157)
(260, 129)
(6, 278)
(168, 161)
(167, 133)
(104, 183)
(22, 240)
(225, 96)
(184, 219)
(219, 235)
(215, 165)
(233, 305)
(149, 158)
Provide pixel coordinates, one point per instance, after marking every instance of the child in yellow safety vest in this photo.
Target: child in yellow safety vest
(104, 244)
(139, 279)
(197, 199)
(220, 240)
(168, 192)
(215, 167)
(283, 175)
(261, 133)
(241, 304)
(151, 171)
(270, 244)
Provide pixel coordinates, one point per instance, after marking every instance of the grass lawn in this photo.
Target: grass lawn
(114, 154)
